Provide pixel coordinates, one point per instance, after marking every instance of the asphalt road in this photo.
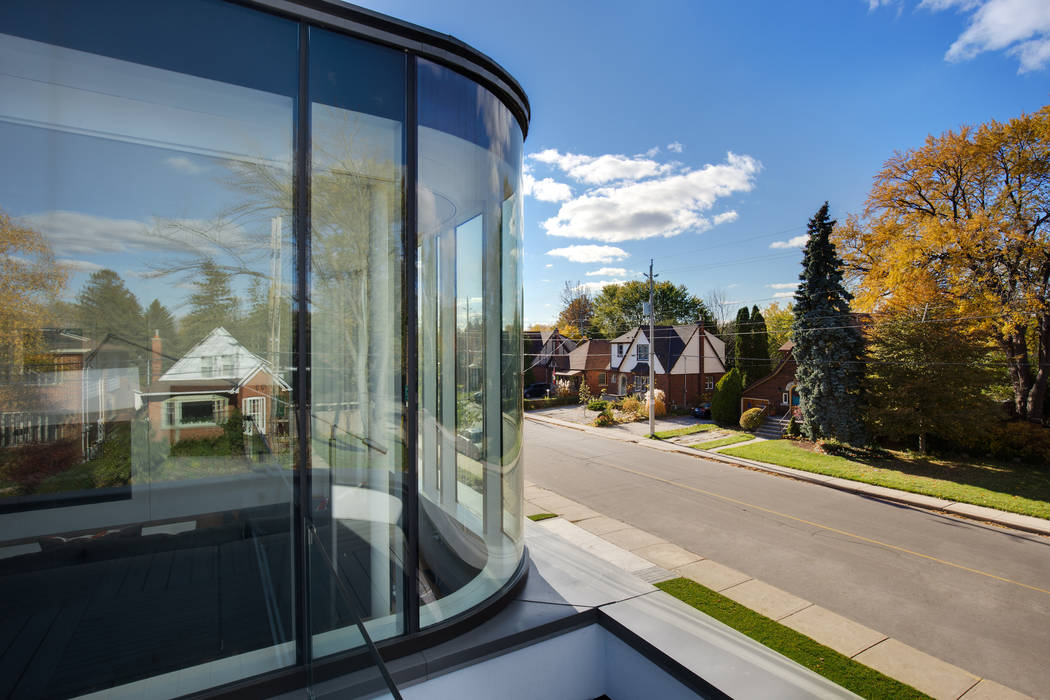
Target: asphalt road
(975, 595)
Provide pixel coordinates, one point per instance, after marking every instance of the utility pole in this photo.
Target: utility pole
(652, 355)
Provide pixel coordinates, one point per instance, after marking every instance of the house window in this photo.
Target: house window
(207, 366)
(603, 378)
(229, 365)
(254, 410)
(643, 353)
(619, 350)
(194, 411)
(784, 399)
(709, 383)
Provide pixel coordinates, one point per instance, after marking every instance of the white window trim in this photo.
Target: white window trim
(258, 422)
(221, 404)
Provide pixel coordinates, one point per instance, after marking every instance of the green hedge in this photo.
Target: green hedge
(533, 404)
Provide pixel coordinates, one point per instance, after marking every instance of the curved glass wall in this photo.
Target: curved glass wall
(209, 468)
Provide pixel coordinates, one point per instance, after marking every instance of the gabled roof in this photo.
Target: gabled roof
(591, 354)
(668, 345)
(626, 337)
(233, 364)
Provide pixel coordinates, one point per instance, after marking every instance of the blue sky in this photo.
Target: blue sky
(809, 97)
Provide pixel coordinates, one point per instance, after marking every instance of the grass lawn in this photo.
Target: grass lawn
(862, 680)
(536, 517)
(729, 440)
(688, 430)
(1010, 486)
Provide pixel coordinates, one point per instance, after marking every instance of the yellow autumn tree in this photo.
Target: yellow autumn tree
(30, 280)
(965, 220)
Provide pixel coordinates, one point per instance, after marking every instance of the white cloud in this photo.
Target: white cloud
(1021, 28)
(652, 151)
(598, 170)
(664, 206)
(78, 265)
(674, 147)
(590, 253)
(617, 271)
(595, 287)
(783, 285)
(74, 234)
(184, 165)
(783, 295)
(546, 190)
(796, 242)
(549, 265)
(725, 217)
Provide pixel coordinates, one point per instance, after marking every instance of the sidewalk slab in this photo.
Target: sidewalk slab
(715, 576)
(596, 545)
(532, 509)
(990, 690)
(632, 538)
(845, 636)
(603, 525)
(668, 555)
(929, 674)
(576, 513)
(553, 503)
(765, 599)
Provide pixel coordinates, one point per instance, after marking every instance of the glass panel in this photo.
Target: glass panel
(357, 377)
(470, 337)
(145, 226)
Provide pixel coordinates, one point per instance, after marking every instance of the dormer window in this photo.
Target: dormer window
(207, 366)
(619, 349)
(229, 365)
(643, 353)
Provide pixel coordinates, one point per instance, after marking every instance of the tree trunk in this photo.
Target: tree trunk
(1016, 351)
(924, 446)
(1036, 408)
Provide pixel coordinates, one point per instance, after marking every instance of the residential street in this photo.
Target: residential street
(974, 595)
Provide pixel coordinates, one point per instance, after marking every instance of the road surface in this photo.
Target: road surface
(974, 595)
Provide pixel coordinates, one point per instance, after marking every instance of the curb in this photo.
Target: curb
(1025, 523)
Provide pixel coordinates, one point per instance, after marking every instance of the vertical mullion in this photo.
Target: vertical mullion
(301, 348)
(411, 353)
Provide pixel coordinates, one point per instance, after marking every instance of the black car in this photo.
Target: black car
(702, 411)
(536, 391)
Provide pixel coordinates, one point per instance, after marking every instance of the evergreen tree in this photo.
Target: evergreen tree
(160, 321)
(736, 343)
(725, 405)
(758, 364)
(106, 307)
(212, 305)
(828, 342)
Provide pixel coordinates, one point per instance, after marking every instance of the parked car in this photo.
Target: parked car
(536, 391)
(702, 411)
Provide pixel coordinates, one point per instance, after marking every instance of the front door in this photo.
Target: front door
(254, 411)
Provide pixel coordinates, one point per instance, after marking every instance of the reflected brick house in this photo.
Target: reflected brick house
(194, 398)
(546, 354)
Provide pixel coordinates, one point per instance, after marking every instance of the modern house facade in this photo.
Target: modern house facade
(328, 202)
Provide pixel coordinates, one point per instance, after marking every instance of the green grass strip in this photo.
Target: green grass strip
(688, 430)
(731, 440)
(1008, 486)
(542, 516)
(840, 669)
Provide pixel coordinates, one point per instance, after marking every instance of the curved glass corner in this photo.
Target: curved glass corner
(469, 315)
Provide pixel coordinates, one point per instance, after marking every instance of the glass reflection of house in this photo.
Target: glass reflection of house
(218, 375)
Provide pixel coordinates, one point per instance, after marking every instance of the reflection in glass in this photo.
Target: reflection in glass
(145, 443)
(357, 340)
(469, 341)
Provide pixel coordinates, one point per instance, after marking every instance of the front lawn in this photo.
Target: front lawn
(721, 442)
(1009, 486)
(851, 675)
(688, 430)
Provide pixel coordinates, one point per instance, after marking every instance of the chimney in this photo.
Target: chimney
(155, 357)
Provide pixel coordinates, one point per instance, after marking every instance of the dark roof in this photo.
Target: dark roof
(626, 337)
(668, 345)
(641, 368)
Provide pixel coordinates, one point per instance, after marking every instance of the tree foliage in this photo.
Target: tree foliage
(725, 405)
(212, 304)
(618, 307)
(751, 345)
(778, 327)
(966, 216)
(926, 377)
(577, 309)
(106, 307)
(828, 343)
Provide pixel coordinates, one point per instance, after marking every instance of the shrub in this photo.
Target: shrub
(233, 430)
(563, 388)
(751, 419)
(794, 430)
(597, 405)
(630, 405)
(605, 418)
(659, 399)
(725, 406)
(29, 465)
(584, 393)
(1017, 439)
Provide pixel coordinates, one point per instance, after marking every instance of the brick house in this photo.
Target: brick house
(777, 389)
(589, 362)
(546, 354)
(687, 362)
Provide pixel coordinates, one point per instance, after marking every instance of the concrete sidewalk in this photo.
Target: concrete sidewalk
(1026, 523)
(654, 559)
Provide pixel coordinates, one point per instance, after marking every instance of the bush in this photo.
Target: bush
(660, 403)
(597, 405)
(630, 405)
(1017, 439)
(584, 394)
(725, 405)
(605, 418)
(531, 404)
(794, 430)
(751, 419)
(563, 389)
